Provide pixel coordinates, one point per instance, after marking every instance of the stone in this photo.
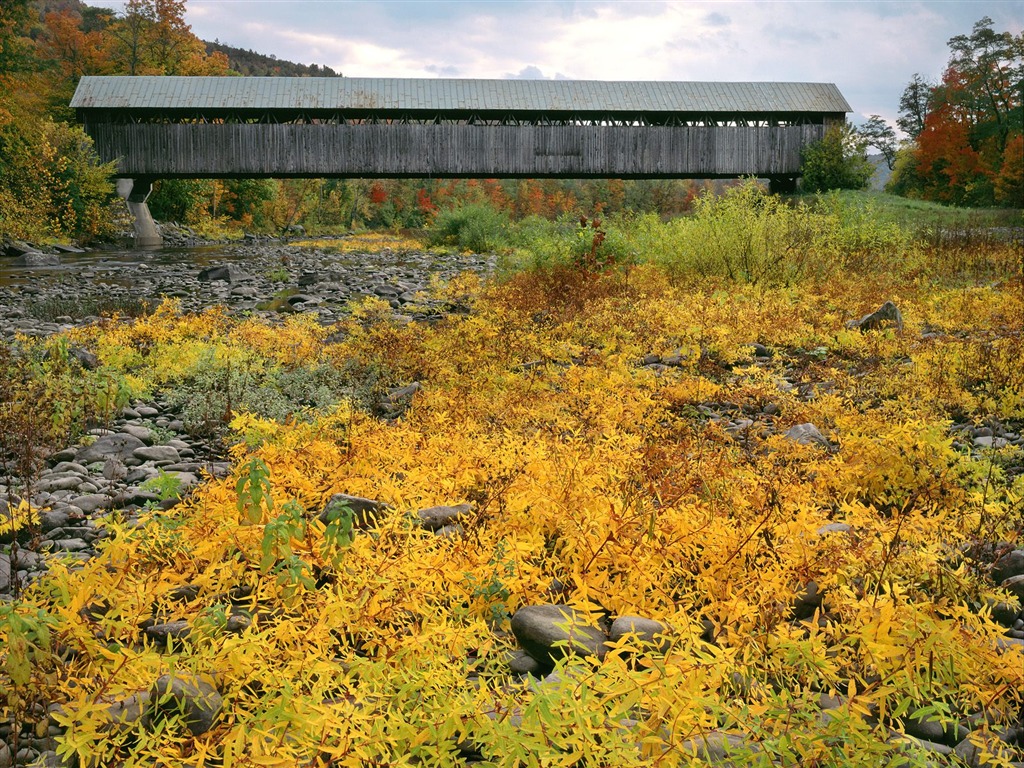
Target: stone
(834, 528)
(1008, 565)
(949, 734)
(718, 747)
(522, 663)
(807, 601)
(5, 573)
(88, 360)
(1005, 613)
(122, 715)
(157, 453)
(145, 434)
(52, 519)
(648, 631)
(366, 511)
(1015, 586)
(436, 518)
(887, 314)
(194, 699)
(36, 259)
(91, 502)
(977, 749)
(807, 434)
(118, 445)
(225, 273)
(171, 630)
(550, 632)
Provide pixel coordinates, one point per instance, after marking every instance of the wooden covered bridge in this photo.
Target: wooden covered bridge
(238, 127)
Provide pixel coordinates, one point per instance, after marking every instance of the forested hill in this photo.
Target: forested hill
(251, 63)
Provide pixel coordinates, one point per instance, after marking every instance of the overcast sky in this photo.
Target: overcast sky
(869, 48)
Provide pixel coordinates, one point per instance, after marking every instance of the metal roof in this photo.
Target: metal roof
(406, 94)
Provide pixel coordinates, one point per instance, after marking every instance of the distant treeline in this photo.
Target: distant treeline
(250, 63)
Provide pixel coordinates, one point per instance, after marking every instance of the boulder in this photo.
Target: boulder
(35, 259)
(119, 445)
(808, 434)
(436, 518)
(195, 700)
(550, 632)
(647, 631)
(366, 511)
(887, 314)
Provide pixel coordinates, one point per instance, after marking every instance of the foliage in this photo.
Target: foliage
(478, 228)
(837, 161)
(966, 131)
(378, 642)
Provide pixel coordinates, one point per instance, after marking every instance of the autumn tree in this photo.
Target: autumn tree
(964, 129)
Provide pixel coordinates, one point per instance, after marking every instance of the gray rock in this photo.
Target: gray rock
(171, 630)
(36, 259)
(976, 749)
(59, 483)
(647, 631)
(366, 511)
(6, 758)
(53, 518)
(887, 314)
(1015, 586)
(808, 434)
(92, 502)
(196, 701)
(719, 747)
(834, 528)
(949, 734)
(88, 360)
(145, 434)
(522, 663)
(807, 602)
(157, 453)
(5, 573)
(550, 632)
(119, 446)
(124, 714)
(436, 518)
(1009, 565)
(227, 273)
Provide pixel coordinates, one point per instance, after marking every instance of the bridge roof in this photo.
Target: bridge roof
(408, 95)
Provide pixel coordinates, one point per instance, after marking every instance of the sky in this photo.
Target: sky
(869, 48)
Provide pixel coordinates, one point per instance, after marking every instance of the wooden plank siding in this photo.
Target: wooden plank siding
(233, 150)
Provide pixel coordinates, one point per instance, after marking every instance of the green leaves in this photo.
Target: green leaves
(253, 488)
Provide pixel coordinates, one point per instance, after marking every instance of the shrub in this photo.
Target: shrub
(838, 161)
(478, 228)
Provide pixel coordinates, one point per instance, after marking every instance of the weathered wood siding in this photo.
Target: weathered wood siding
(282, 150)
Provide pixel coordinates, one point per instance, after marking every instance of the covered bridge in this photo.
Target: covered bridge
(237, 127)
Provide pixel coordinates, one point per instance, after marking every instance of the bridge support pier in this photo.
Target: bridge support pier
(782, 185)
(135, 193)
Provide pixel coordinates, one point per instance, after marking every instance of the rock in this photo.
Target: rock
(5, 573)
(550, 632)
(91, 502)
(124, 714)
(949, 734)
(718, 747)
(1005, 613)
(1008, 565)
(366, 511)
(157, 453)
(886, 314)
(119, 446)
(1015, 586)
(834, 528)
(977, 749)
(171, 630)
(807, 602)
(647, 631)
(807, 434)
(436, 518)
(17, 248)
(88, 360)
(145, 434)
(195, 700)
(226, 273)
(522, 663)
(36, 259)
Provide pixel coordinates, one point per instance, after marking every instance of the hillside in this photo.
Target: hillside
(247, 62)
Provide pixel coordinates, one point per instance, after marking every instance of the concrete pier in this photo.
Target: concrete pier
(135, 193)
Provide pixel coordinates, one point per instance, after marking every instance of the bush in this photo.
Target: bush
(478, 228)
(837, 161)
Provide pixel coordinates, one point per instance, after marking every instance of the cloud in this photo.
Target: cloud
(716, 19)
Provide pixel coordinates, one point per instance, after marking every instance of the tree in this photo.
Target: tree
(914, 105)
(965, 128)
(879, 134)
(837, 161)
